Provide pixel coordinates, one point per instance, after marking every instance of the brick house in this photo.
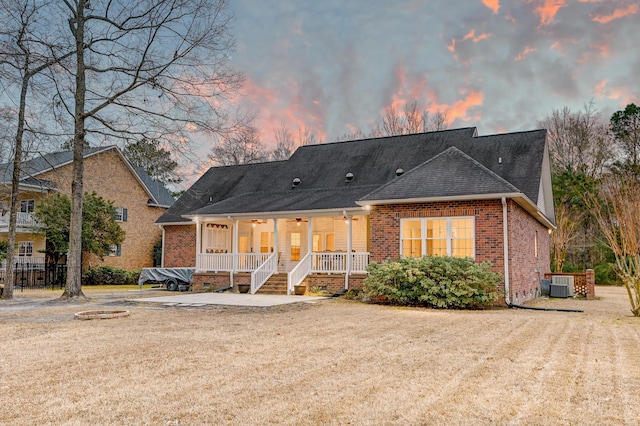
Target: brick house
(322, 215)
(139, 202)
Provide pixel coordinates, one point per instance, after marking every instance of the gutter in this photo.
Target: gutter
(505, 244)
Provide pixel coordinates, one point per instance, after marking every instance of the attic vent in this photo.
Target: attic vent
(296, 182)
(349, 177)
(399, 172)
(499, 160)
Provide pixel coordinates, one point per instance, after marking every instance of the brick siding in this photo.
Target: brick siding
(180, 246)
(524, 268)
(110, 177)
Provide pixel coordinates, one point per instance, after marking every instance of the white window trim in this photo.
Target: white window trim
(423, 233)
(25, 249)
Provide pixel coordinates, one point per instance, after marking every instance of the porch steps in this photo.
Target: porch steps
(277, 284)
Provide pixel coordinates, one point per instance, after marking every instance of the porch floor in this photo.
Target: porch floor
(228, 299)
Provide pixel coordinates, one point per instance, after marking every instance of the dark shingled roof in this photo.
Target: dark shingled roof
(451, 173)
(433, 170)
(40, 164)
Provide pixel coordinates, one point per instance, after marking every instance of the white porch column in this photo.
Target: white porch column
(349, 251)
(234, 245)
(198, 244)
(275, 241)
(309, 235)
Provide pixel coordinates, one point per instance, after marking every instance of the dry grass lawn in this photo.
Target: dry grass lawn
(332, 362)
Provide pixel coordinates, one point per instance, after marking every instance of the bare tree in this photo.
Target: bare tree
(154, 69)
(24, 53)
(579, 141)
(615, 207)
(566, 222)
(242, 147)
(413, 119)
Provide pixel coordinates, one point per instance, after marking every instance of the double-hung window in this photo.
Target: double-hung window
(446, 236)
(120, 214)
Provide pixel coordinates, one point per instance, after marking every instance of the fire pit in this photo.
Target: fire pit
(89, 315)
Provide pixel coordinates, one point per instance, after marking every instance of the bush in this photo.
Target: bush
(110, 275)
(436, 281)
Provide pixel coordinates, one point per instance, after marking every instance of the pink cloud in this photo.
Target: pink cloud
(632, 9)
(472, 36)
(460, 108)
(524, 53)
(547, 9)
(492, 4)
(600, 89)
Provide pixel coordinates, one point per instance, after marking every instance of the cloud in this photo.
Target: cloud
(459, 110)
(547, 9)
(492, 4)
(524, 53)
(632, 9)
(472, 36)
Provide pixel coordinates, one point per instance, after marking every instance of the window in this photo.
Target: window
(450, 236)
(27, 206)
(25, 248)
(120, 214)
(535, 245)
(216, 238)
(116, 250)
(323, 242)
(266, 242)
(295, 246)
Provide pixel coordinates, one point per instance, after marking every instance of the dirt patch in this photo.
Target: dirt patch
(334, 362)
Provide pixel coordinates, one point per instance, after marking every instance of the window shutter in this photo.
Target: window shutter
(119, 248)
(124, 214)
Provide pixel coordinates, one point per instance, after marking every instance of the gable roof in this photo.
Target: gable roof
(451, 163)
(452, 173)
(30, 169)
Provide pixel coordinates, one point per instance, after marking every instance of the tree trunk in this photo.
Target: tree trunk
(73, 286)
(15, 191)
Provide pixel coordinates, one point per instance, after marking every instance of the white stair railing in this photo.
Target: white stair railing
(299, 273)
(264, 272)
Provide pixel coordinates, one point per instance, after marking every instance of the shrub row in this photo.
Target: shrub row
(110, 275)
(435, 281)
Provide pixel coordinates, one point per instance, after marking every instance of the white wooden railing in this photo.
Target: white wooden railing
(328, 262)
(299, 273)
(359, 262)
(23, 220)
(248, 262)
(264, 272)
(219, 262)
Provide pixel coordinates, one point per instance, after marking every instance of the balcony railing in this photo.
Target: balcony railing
(23, 220)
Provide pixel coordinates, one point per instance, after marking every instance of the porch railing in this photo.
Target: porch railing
(23, 220)
(300, 272)
(264, 272)
(248, 262)
(215, 262)
(332, 262)
(359, 262)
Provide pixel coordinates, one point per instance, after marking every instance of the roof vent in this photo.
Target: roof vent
(399, 172)
(296, 182)
(348, 177)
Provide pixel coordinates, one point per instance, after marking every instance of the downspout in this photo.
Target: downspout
(505, 244)
(163, 246)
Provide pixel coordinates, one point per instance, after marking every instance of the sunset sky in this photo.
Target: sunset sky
(334, 65)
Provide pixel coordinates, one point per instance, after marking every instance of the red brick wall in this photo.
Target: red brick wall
(525, 269)
(523, 265)
(385, 227)
(334, 283)
(179, 246)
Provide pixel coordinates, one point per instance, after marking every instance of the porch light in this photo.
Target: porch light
(298, 221)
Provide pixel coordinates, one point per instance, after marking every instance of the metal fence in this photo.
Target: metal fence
(36, 276)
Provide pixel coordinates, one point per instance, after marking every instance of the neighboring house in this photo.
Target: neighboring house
(324, 214)
(139, 202)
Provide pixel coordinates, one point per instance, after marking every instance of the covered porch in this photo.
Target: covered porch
(335, 243)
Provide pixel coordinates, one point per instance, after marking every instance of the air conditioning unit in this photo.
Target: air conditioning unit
(558, 290)
(564, 280)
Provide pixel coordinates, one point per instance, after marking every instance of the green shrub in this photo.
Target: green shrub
(436, 281)
(110, 275)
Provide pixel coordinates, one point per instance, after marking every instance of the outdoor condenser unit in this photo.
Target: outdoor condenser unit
(564, 280)
(558, 290)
